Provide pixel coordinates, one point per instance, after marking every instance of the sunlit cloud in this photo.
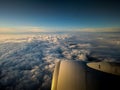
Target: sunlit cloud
(113, 29)
(32, 29)
(22, 30)
(7, 30)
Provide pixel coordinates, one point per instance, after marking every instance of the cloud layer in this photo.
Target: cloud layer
(22, 30)
(30, 29)
(27, 62)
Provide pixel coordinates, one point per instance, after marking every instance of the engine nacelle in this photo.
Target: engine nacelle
(79, 75)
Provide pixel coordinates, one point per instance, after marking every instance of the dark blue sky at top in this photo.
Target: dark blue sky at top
(60, 13)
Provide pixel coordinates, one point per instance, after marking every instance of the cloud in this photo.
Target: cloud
(29, 64)
(32, 29)
(112, 29)
(7, 30)
(22, 30)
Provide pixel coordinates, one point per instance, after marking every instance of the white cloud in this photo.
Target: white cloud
(29, 64)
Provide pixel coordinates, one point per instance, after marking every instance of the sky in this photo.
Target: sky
(59, 15)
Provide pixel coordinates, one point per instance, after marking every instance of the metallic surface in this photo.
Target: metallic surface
(78, 75)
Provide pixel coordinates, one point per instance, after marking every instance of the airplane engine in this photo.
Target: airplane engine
(79, 75)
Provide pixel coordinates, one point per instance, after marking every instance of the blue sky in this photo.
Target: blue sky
(59, 15)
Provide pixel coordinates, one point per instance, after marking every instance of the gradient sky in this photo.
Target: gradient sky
(59, 14)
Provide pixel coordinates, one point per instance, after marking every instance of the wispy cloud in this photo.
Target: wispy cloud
(112, 29)
(31, 29)
(7, 30)
(22, 30)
